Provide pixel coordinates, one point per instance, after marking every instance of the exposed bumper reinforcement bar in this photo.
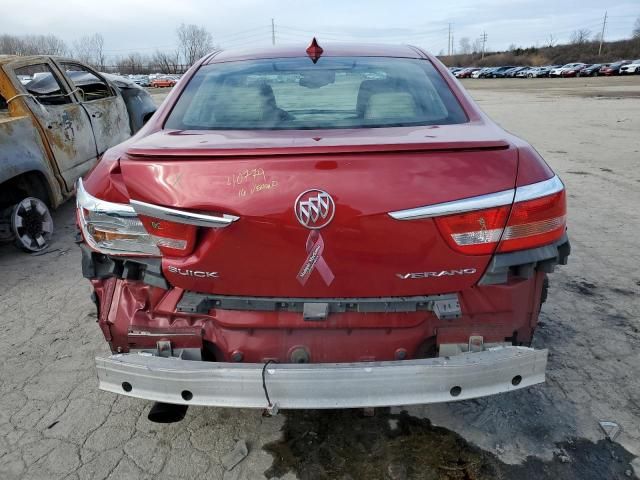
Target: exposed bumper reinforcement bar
(323, 385)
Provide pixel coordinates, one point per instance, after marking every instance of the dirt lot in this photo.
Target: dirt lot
(55, 424)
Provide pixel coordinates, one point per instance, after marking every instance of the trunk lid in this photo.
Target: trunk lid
(364, 252)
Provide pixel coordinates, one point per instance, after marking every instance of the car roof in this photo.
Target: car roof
(329, 50)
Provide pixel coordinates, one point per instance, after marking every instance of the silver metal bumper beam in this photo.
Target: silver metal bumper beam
(323, 385)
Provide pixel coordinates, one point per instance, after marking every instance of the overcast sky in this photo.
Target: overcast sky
(147, 25)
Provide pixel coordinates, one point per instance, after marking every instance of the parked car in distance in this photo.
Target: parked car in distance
(523, 72)
(573, 71)
(630, 68)
(53, 129)
(162, 82)
(466, 73)
(142, 80)
(498, 72)
(614, 68)
(514, 71)
(478, 73)
(486, 72)
(591, 70)
(239, 258)
(535, 72)
(557, 72)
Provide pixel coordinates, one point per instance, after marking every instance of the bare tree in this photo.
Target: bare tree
(9, 45)
(97, 42)
(581, 36)
(32, 45)
(465, 46)
(133, 63)
(52, 45)
(551, 41)
(636, 29)
(90, 49)
(476, 47)
(166, 62)
(194, 42)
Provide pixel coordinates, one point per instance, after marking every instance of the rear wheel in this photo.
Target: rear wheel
(31, 225)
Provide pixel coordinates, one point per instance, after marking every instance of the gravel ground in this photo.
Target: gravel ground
(55, 424)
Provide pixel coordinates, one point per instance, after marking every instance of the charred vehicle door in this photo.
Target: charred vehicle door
(102, 102)
(63, 122)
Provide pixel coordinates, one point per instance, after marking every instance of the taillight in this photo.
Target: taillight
(116, 229)
(536, 218)
(474, 233)
(534, 223)
(172, 238)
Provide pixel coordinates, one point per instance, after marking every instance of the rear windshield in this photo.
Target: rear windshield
(295, 93)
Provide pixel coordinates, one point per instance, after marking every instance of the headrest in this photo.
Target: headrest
(391, 105)
(369, 87)
(237, 104)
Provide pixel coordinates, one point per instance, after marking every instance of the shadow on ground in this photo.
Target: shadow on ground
(344, 444)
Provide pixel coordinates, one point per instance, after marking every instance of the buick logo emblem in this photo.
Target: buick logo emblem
(314, 208)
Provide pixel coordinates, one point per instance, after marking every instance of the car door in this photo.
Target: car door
(103, 103)
(64, 123)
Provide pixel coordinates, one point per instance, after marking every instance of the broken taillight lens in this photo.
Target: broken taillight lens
(525, 224)
(116, 229)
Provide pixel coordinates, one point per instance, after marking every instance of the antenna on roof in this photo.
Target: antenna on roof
(314, 50)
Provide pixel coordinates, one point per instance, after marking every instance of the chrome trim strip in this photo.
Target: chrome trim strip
(85, 200)
(539, 189)
(180, 216)
(322, 385)
(490, 200)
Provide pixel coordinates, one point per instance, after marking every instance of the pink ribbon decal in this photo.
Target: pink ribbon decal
(315, 247)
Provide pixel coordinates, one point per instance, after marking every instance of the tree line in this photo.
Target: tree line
(583, 46)
(192, 43)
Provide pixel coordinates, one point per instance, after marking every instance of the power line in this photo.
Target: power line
(341, 35)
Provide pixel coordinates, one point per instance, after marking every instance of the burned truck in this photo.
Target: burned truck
(57, 117)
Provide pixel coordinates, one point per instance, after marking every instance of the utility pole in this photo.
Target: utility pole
(604, 24)
(483, 37)
(453, 48)
(449, 42)
(273, 32)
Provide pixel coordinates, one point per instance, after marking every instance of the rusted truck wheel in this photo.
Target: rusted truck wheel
(31, 225)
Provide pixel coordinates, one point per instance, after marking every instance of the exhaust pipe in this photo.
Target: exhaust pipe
(167, 412)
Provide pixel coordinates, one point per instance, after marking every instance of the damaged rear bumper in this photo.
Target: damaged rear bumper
(322, 385)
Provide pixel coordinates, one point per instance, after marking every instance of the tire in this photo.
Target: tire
(530, 75)
(31, 225)
(545, 290)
